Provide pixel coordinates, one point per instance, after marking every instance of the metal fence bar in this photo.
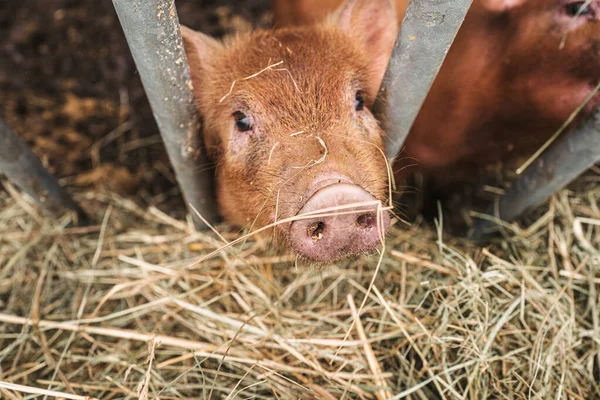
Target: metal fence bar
(153, 34)
(25, 170)
(565, 160)
(426, 33)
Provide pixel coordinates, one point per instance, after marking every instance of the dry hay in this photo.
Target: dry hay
(114, 311)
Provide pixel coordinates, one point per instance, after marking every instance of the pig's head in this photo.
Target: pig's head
(552, 53)
(287, 120)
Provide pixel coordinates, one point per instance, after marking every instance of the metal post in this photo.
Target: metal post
(566, 159)
(427, 31)
(153, 34)
(23, 168)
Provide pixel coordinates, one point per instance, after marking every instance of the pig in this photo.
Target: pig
(287, 121)
(306, 12)
(514, 74)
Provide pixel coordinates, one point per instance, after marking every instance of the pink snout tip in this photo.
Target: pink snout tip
(356, 225)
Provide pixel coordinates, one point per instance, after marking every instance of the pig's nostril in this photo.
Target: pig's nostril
(315, 231)
(366, 221)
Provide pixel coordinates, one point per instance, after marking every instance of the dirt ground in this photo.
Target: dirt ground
(69, 86)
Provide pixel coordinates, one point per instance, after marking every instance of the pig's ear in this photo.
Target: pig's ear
(500, 5)
(200, 50)
(374, 21)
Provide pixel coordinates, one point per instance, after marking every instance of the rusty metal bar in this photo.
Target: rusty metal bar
(566, 159)
(427, 31)
(153, 34)
(25, 170)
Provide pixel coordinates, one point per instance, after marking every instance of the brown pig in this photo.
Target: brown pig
(287, 120)
(515, 73)
(306, 12)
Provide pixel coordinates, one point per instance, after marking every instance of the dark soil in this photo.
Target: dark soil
(69, 86)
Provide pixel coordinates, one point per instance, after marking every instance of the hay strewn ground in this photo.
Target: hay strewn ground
(119, 311)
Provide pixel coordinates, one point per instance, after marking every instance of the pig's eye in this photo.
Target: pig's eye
(359, 101)
(242, 122)
(579, 8)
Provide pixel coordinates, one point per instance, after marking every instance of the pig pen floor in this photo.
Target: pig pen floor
(132, 308)
(123, 310)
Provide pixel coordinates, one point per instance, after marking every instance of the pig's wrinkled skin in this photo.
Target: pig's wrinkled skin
(505, 87)
(284, 120)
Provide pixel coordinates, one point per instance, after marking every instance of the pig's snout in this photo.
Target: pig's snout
(342, 232)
